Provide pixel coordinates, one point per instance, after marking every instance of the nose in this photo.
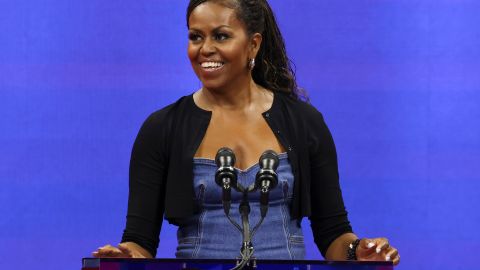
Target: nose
(208, 47)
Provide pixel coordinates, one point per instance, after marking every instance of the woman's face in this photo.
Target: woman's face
(219, 47)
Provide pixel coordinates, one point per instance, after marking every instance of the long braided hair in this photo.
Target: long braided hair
(273, 69)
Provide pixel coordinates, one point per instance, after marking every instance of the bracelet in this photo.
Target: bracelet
(351, 252)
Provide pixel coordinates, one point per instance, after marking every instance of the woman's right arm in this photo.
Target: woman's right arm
(148, 165)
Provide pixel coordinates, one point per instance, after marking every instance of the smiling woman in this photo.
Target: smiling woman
(249, 102)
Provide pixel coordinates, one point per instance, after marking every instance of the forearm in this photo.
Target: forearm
(337, 251)
(138, 249)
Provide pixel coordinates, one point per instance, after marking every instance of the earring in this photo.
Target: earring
(251, 63)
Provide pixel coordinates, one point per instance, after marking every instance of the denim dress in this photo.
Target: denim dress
(210, 235)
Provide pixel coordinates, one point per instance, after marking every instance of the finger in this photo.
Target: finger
(105, 249)
(366, 249)
(108, 251)
(368, 243)
(125, 249)
(396, 260)
(382, 245)
(391, 254)
(116, 254)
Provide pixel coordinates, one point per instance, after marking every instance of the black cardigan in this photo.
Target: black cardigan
(161, 169)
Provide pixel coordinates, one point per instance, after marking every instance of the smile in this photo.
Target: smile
(211, 66)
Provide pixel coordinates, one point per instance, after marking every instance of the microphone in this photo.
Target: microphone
(226, 176)
(266, 178)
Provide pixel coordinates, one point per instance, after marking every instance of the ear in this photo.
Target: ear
(255, 43)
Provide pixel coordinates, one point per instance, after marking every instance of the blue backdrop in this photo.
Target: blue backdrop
(397, 81)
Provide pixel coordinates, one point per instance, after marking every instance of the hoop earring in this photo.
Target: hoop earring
(251, 63)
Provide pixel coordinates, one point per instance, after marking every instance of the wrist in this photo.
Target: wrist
(352, 250)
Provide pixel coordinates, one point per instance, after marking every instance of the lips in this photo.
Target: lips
(211, 65)
(211, 69)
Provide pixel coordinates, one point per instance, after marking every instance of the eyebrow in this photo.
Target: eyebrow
(214, 30)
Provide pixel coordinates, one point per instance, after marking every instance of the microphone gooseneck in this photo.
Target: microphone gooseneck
(265, 180)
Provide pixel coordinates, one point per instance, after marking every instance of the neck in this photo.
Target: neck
(239, 97)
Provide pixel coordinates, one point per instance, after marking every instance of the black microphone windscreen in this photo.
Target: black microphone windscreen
(269, 160)
(225, 157)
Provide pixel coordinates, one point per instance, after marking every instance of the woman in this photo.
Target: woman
(249, 102)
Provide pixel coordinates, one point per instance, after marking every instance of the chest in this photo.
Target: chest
(247, 135)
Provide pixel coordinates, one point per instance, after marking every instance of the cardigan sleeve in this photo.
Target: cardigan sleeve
(328, 217)
(146, 185)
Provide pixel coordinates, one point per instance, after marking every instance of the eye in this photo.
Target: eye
(194, 37)
(221, 36)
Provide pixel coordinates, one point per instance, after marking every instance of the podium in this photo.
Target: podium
(201, 264)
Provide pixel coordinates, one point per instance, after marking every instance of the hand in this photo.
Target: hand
(120, 251)
(377, 249)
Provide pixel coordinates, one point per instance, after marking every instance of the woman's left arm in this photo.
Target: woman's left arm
(331, 229)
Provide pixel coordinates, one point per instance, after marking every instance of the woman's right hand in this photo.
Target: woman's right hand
(123, 250)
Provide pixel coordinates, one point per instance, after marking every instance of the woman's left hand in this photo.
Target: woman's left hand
(377, 249)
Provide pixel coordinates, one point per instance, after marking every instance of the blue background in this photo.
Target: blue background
(397, 81)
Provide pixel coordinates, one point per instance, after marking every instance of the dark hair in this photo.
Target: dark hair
(273, 70)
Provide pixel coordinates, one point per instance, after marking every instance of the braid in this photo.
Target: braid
(273, 69)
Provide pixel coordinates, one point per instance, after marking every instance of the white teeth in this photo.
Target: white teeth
(211, 64)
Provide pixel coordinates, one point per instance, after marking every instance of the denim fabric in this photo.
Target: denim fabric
(209, 234)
